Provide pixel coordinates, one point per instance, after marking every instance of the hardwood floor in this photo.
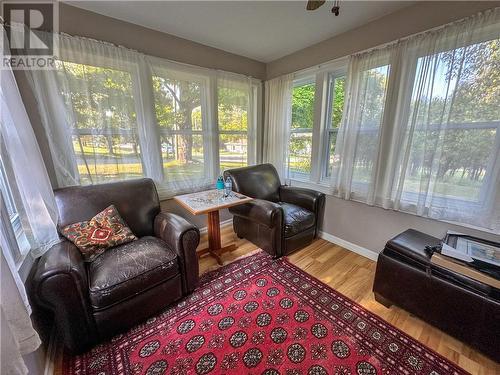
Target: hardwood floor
(352, 275)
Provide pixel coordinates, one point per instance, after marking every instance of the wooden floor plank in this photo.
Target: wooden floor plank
(352, 275)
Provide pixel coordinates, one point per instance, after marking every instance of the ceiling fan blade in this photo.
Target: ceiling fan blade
(313, 4)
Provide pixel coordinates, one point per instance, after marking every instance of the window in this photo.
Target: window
(420, 125)
(369, 120)
(12, 213)
(179, 99)
(104, 132)
(233, 100)
(301, 132)
(8, 199)
(336, 91)
(456, 115)
(112, 114)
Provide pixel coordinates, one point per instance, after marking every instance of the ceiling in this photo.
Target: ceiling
(260, 30)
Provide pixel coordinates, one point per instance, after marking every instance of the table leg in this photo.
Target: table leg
(214, 242)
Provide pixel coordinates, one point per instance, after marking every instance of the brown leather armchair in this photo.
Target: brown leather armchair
(281, 218)
(126, 284)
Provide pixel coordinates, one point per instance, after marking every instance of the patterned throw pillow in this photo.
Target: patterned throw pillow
(104, 230)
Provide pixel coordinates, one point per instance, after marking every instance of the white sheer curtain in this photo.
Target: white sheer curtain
(182, 125)
(237, 120)
(93, 111)
(358, 142)
(455, 96)
(18, 336)
(36, 207)
(29, 180)
(409, 109)
(111, 113)
(278, 116)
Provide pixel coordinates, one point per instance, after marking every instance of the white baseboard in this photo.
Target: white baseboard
(223, 224)
(370, 254)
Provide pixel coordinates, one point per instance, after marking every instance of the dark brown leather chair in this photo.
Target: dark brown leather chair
(281, 218)
(126, 284)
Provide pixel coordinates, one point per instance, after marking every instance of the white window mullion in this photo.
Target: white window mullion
(253, 129)
(18, 243)
(206, 119)
(320, 111)
(10, 236)
(212, 137)
(299, 161)
(490, 190)
(259, 123)
(240, 99)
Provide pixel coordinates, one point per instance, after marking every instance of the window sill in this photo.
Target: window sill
(323, 188)
(166, 192)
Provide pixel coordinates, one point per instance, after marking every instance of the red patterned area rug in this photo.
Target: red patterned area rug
(262, 316)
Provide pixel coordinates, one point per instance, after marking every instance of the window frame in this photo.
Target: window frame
(253, 123)
(319, 75)
(141, 72)
(204, 82)
(401, 72)
(127, 66)
(409, 63)
(18, 242)
(303, 80)
(322, 111)
(8, 200)
(329, 130)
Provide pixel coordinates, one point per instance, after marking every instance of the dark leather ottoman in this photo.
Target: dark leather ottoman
(459, 305)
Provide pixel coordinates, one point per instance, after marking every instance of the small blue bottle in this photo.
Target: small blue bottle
(219, 185)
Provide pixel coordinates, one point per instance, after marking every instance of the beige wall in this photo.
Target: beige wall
(76, 21)
(407, 21)
(371, 227)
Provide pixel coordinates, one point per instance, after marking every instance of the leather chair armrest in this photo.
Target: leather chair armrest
(182, 237)
(59, 284)
(309, 199)
(261, 211)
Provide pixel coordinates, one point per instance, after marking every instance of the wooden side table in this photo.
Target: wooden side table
(209, 202)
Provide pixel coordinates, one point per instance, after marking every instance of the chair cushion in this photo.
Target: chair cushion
(297, 219)
(129, 269)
